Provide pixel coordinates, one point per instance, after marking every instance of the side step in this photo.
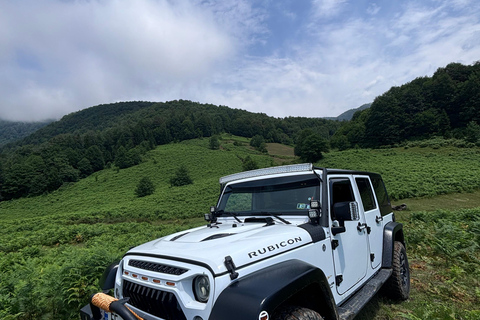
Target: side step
(353, 305)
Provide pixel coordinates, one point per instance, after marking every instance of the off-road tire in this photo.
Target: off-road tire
(296, 313)
(398, 285)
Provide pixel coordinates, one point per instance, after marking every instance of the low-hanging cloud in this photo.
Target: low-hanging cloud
(65, 55)
(61, 56)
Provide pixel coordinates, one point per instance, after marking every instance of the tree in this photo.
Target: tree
(95, 156)
(340, 142)
(85, 167)
(310, 146)
(472, 132)
(214, 143)
(125, 159)
(249, 164)
(145, 187)
(258, 142)
(181, 177)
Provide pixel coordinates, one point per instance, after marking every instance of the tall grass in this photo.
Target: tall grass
(54, 247)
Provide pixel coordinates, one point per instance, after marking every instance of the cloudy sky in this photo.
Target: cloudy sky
(311, 58)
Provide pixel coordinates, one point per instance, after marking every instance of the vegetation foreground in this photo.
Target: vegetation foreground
(53, 248)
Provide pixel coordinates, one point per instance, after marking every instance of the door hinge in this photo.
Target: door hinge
(339, 279)
(363, 226)
(372, 257)
(334, 244)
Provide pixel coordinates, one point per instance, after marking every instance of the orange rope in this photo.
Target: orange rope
(136, 315)
(103, 301)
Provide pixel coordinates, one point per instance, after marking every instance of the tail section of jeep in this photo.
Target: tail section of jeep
(288, 242)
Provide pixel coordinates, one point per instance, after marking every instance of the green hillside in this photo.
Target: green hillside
(54, 247)
(118, 134)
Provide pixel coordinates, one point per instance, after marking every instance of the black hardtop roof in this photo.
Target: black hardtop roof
(345, 171)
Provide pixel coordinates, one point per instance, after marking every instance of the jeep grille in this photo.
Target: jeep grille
(159, 303)
(157, 267)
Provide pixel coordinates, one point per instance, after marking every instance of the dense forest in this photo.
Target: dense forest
(446, 104)
(15, 130)
(119, 134)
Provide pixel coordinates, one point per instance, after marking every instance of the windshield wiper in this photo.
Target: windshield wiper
(265, 213)
(281, 219)
(233, 214)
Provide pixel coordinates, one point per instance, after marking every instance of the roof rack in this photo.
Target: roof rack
(303, 167)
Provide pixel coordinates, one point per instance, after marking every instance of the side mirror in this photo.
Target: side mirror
(346, 211)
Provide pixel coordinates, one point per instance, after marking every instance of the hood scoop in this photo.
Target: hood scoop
(179, 236)
(218, 236)
(267, 220)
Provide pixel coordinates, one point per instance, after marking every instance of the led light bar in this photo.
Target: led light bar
(303, 167)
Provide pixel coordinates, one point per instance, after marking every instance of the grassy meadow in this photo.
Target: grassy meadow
(53, 248)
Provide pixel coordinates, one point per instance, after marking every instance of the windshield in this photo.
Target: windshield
(285, 195)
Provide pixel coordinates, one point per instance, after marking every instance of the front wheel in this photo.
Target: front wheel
(398, 286)
(296, 313)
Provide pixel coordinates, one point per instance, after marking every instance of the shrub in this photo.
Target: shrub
(249, 164)
(214, 143)
(181, 177)
(145, 187)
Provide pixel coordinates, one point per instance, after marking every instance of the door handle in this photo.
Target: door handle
(361, 226)
(378, 219)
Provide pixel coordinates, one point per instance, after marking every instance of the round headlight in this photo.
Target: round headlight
(201, 288)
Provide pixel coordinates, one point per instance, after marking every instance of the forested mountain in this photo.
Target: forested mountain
(96, 118)
(446, 104)
(118, 134)
(14, 130)
(348, 115)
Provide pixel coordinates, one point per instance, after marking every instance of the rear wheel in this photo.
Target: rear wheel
(296, 313)
(398, 286)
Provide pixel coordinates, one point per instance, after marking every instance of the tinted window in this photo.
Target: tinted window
(366, 193)
(341, 190)
(382, 196)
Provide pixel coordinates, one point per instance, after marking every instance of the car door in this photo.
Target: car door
(350, 245)
(373, 218)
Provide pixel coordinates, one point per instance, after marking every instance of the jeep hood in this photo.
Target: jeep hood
(244, 243)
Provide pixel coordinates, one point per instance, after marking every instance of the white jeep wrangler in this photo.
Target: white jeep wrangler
(288, 242)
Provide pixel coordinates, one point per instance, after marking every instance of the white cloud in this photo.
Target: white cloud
(61, 56)
(373, 8)
(327, 8)
(101, 51)
(343, 65)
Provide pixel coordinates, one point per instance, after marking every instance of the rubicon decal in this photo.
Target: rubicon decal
(274, 247)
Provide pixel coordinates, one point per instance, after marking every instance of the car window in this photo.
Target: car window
(366, 193)
(285, 195)
(382, 195)
(341, 191)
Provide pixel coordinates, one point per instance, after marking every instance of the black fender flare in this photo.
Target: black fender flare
(107, 281)
(269, 288)
(393, 231)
